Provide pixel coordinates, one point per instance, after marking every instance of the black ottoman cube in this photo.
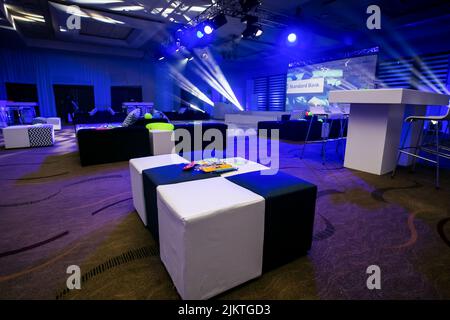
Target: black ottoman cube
(289, 214)
(154, 177)
(270, 125)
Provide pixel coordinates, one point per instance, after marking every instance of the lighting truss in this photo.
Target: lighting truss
(233, 8)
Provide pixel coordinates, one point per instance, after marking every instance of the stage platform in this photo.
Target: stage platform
(251, 118)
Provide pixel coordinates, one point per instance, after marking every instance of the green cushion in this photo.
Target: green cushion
(148, 116)
(160, 126)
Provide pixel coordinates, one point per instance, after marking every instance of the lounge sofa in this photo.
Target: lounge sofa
(101, 116)
(188, 115)
(105, 145)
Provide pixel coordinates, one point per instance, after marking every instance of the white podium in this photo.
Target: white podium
(375, 124)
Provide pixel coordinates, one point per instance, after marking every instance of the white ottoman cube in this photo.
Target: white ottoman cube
(55, 121)
(137, 165)
(16, 137)
(161, 142)
(211, 235)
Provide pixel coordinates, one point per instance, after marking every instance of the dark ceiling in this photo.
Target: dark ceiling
(139, 27)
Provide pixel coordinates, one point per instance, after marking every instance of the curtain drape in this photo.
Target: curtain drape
(48, 67)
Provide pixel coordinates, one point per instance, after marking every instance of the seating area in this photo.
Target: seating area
(192, 231)
(106, 144)
(98, 117)
(100, 145)
(214, 159)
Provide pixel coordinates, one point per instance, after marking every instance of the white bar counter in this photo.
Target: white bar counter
(375, 124)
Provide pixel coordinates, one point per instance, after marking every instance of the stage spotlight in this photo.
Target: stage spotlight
(258, 32)
(204, 56)
(208, 29)
(189, 56)
(252, 31)
(161, 58)
(200, 34)
(292, 37)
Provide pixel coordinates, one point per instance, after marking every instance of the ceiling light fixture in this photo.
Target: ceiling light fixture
(208, 29)
(196, 9)
(128, 8)
(97, 1)
(258, 32)
(105, 19)
(21, 18)
(21, 15)
(252, 31)
(292, 37)
(200, 34)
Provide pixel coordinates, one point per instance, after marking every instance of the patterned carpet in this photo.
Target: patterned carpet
(54, 213)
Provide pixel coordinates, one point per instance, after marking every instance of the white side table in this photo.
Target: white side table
(161, 142)
(55, 121)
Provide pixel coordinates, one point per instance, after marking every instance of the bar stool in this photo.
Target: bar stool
(343, 114)
(428, 147)
(328, 119)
